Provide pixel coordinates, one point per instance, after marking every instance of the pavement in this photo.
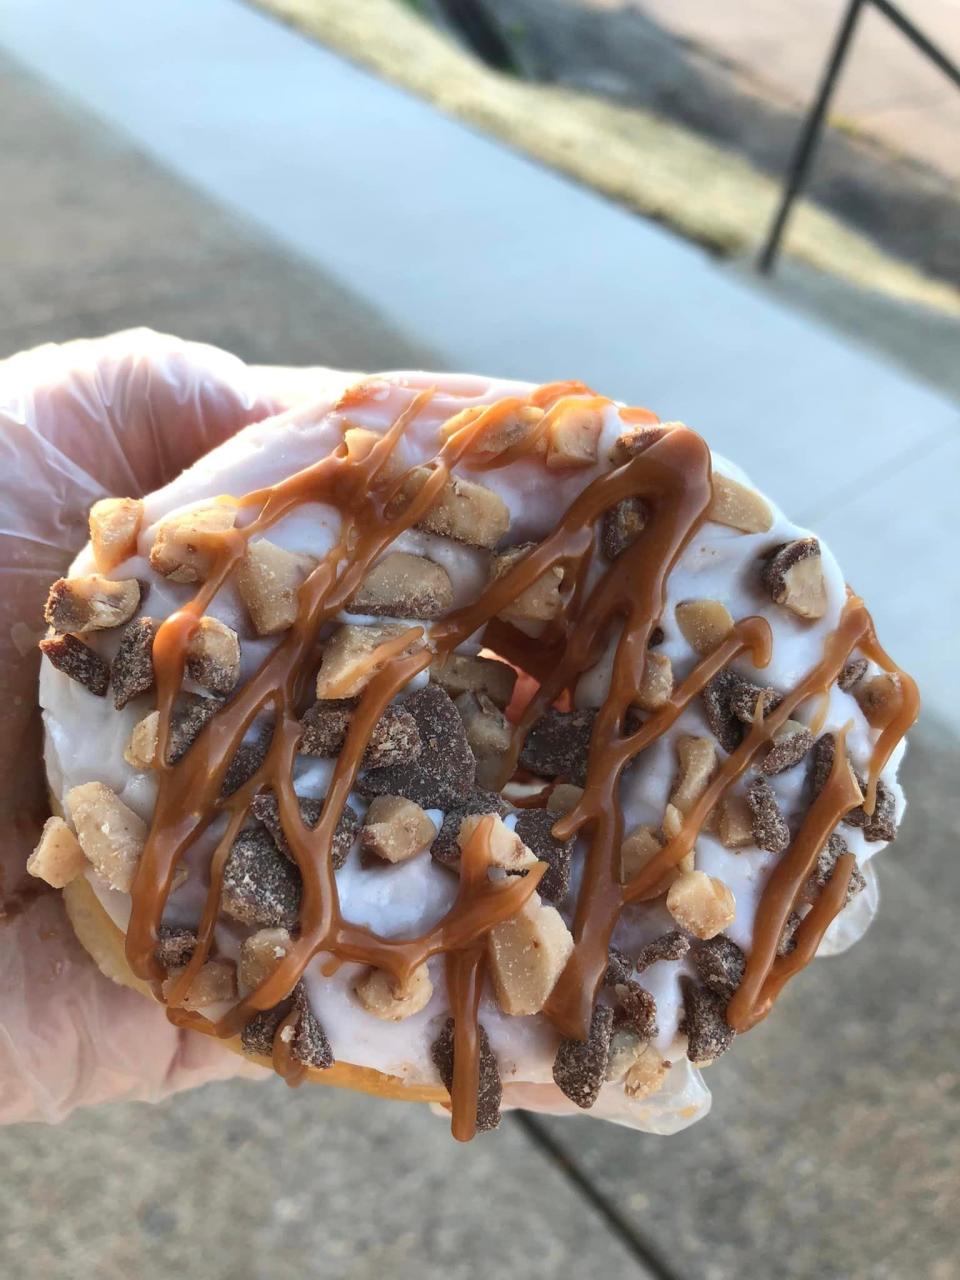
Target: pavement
(832, 1147)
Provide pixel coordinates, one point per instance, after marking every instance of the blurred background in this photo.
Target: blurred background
(743, 215)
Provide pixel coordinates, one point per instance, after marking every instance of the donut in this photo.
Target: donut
(467, 742)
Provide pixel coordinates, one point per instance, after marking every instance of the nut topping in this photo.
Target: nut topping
(132, 670)
(538, 603)
(791, 742)
(697, 761)
(573, 436)
(91, 603)
(738, 507)
(656, 683)
(640, 846)
(708, 1035)
(58, 858)
(558, 745)
(793, 575)
(457, 674)
(404, 586)
(701, 904)
(384, 998)
(396, 829)
(445, 848)
(621, 526)
(269, 579)
(580, 1067)
(704, 624)
(735, 824)
(527, 954)
(78, 661)
(490, 1092)
(852, 674)
(350, 657)
(394, 738)
(111, 835)
(444, 774)
(266, 808)
(501, 432)
(563, 799)
(260, 954)
(879, 699)
(647, 1074)
(507, 850)
(535, 829)
(464, 511)
(186, 546)
(770, 830)
(114, 525)
(214, 984)
(260, 885)
(213, 656)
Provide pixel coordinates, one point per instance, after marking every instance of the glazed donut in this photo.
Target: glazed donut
(467, 742)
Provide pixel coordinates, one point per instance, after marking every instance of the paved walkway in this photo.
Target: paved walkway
(827, 1154)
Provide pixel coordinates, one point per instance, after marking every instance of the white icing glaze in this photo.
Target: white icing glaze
(85, 736)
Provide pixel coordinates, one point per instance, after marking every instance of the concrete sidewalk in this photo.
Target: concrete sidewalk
(832, 1144)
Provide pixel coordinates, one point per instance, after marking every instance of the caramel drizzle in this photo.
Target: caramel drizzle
(673, 478)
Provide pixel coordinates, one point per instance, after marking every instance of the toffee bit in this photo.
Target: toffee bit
(78, 661)
(852, 674)
(634, 441)
(457, 673)
(637, 1009)
(402, 585)
(175, 946)
(770, 830)
(132, 670)
(266, 809)
(535, 827)
(558, 745)
(704, 1022)
(247, 759)
(821, 763)
(793, 575)
(788, 934)
(490, 1091)
(882, 823)
(445, 848)
(580, 1066)
(720, 964)
(260, 886)
(309, 1045)
(443, 776)
(91, 603)
(791, 743)
(621, 526)
(394, 738)
(744, 696)
(258, 1035)
(669, 946)
(213, 656)
(620, 967)
(827, 860)
(190, 716)
(717, 696)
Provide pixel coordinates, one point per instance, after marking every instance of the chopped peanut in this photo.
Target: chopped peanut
(402, 585)
(647, 1073)
(879, 697)
(738, 507)
(214, 984)
(463, 510)
(260, 954)
(349, 661)
(213, 656)
(656, 683)
(384, 998)
(359, 442)
(501, 431)
(704, 624)
(735, 824)
(58, 858)
(671, 827)
(701, 904)
(488, 729)
(114, 525)
(141, 750)
(538, 603)
(697, 759)
(458, 674)
(186, 546)
(626, 1046)
(573, 436)
(507, 850)
(396, 829)
(91, 603)
(111, 835)
(527, 955)
(637, 850)
(269, 579)
(564, 798)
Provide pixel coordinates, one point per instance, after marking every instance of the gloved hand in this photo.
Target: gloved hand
(115, 416)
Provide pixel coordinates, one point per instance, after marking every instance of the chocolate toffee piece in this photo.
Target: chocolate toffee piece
(535, 827)
(375, 565)
(260, 885)
(490, 1090)
(720, 964)
(78, 661)
(445, 848)
(266, 808)
(132, 671)
(669, 946)
(443, 774)
(708, 1034)
(580, 1065)
(558, 744)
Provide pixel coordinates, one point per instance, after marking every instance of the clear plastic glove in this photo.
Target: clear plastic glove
(115, 416)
